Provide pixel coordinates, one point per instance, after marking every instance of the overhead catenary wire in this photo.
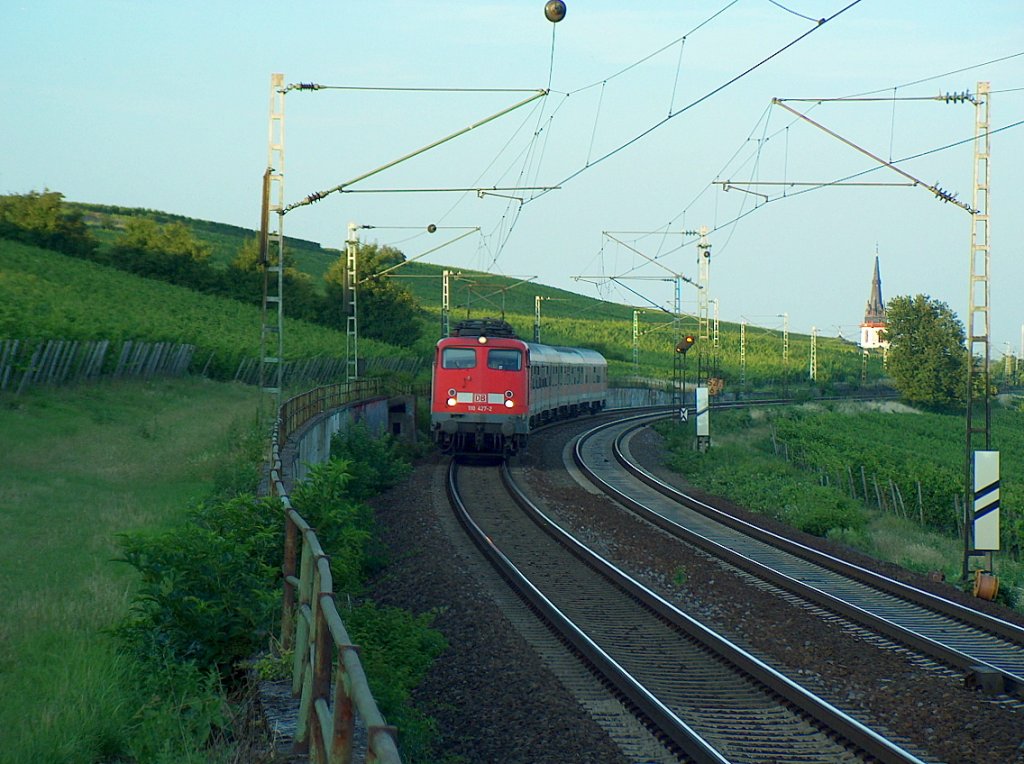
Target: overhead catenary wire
(817, 102)
(699, 100)
(795, 13)
(318, 195)
(649, 56)
(946, 74)
(839, 181)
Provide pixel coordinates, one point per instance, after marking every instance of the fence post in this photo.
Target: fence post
(7, 359)
(26, 377)
(291, 534)
(302, 675)
(344, 718)
(302, 616)
(320, 670)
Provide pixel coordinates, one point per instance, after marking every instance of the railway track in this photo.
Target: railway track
(986, 649)
(708, 699)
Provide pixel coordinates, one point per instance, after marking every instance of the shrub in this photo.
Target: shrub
(821, 510)
(209, 588)
(399, 648)
(43, 220)
(343, 525)
(377, 462)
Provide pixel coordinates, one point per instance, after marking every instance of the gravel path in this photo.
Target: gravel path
(496, 700)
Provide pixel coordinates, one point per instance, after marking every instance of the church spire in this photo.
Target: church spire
(875, 312)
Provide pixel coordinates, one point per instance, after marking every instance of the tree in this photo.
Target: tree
(41, 219)
(168, 252)
(927, 353)
(245, 282)
(387, 311)
(171, 239)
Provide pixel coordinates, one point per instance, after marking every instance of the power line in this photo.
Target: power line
(700, 100)
(939, 76)
(790, 10)
(662, 49)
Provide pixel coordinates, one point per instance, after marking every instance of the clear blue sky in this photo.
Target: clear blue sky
(165, 105)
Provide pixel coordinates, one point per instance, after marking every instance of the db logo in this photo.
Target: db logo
(479, 397)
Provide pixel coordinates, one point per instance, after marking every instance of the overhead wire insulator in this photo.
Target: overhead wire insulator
(963, 97)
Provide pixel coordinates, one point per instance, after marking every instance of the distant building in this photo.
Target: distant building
(874, 315)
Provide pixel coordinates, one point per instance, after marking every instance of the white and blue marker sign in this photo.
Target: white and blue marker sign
(986, 500)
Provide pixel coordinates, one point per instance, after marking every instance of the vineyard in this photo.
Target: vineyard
(572, 319)
(89, 302)
(47, 295)
(909, 464)
(884, 479)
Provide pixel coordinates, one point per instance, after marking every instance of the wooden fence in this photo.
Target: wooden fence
(27, 363)
(321, 369)
(24, 363)
(327, 674)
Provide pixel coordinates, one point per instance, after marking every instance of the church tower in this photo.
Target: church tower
(874, 315)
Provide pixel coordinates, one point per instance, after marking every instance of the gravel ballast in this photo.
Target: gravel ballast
(495, 700)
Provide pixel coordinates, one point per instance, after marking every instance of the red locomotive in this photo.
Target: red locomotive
(490, 388)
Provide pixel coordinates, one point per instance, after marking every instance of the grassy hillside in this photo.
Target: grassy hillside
(46, 295)
(571, 319)
(567, 318)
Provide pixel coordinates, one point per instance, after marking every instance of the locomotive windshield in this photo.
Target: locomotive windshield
(507, 360)
(458, 358)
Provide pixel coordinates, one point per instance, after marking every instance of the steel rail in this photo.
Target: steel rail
(932, 646)
(789, 693)
(674, 728)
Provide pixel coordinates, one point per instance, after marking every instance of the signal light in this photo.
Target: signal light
(685, 344)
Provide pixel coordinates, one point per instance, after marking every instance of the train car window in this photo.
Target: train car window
(503, 359)
(458, 358)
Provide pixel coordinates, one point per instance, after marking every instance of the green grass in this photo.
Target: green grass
(81, 466)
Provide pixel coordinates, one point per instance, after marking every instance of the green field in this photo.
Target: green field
(83, 465)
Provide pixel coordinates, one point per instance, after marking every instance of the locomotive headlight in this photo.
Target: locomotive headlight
(451, 401)
(482, 340)
(509, 403)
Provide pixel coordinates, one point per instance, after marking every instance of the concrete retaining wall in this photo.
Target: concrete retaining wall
(312, 444)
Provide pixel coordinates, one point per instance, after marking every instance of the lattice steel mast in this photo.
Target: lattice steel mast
(978, 313)
(351, 309)
(272, 256)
